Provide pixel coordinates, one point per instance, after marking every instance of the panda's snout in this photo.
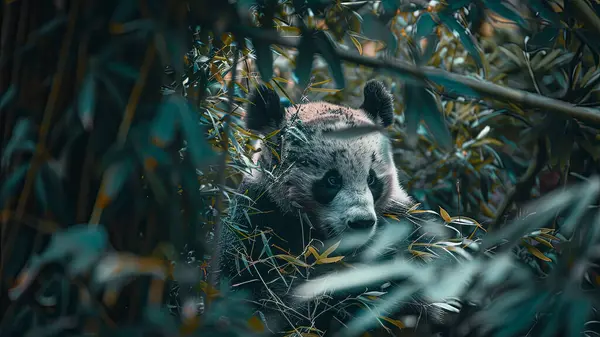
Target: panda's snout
(361, 223)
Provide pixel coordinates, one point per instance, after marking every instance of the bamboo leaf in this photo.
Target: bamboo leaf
(434, 118)
(11, 184)
(292, 260)
(164, 125)
(357, 44)
(7, 96)
(115, 177)
(330, 249)
(506, 10)
(374, 29)
(412, 113)
(87, 102)
(395, 322)
(264, 59)
(425, 26)
(19, 141)
(328, 260)
(304, 61)
(536, 252)
(465, 36)
(327, 49)
(445, 215)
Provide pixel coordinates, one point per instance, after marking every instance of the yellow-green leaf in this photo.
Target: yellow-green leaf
(331, 249)
(311, 250)
(395, 322)
(536, 252)
(445, 215)
(357, 44)
(420, 211)
(329, 260)
(292, 260)
(325, 90)
(542, 241)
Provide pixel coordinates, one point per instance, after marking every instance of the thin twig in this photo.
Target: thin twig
(482, 87)
(216, 247)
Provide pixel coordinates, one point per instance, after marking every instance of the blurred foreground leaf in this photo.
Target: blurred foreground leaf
(77, 248)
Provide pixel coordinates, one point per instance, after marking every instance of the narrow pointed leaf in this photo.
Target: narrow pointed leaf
(368, 318)
(87, 102)
(425, 26)
(199, 149)
(540, 7)
(412, 113)
(115, 177)
(304, 60)
(327, 50)
(164, 125)
(434, 119)
(19, 140)
(7, 96)
(264, 59)
(78, 248)
(40, 189)
(374, 29)
(506, 10)
(11, 183)
(465, 36)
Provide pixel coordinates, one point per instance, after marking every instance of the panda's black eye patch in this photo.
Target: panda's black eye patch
(325, 189)
(375, 184)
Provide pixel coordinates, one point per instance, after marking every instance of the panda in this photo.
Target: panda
(308, 186)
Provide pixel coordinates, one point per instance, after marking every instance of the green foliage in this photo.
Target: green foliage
(117, 115)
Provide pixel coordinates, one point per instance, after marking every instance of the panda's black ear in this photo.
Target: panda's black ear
(378, 102)
(265, 110)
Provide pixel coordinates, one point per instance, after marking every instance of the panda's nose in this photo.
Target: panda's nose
(361, 223)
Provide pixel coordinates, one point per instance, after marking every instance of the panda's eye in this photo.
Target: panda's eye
(334, 180)
(371, 178)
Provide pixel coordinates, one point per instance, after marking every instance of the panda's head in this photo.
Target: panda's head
(343, 184)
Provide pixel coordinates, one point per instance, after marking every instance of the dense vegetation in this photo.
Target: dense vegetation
(122, 143)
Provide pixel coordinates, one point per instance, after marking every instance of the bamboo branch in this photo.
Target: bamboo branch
(484, 88)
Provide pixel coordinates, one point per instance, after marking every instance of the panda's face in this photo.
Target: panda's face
(345, 199)
(343, 184)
